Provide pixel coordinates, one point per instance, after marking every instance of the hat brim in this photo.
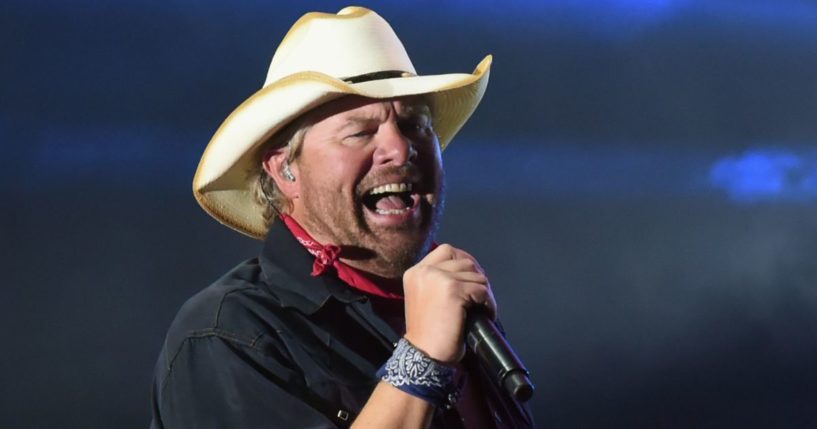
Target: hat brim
(221, 184)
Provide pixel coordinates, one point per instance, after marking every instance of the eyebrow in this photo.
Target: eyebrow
(413, 110)
(410, 111)
(357, 120)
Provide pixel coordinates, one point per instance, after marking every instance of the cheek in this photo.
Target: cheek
(340, 172)
(432, 162)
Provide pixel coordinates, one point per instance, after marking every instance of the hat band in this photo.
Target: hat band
(379, 75)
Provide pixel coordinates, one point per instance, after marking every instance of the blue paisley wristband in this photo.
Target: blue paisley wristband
(413, 372)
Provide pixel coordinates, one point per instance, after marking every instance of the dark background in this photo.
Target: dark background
(640, 182)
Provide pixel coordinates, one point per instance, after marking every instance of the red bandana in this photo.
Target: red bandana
(326, 256)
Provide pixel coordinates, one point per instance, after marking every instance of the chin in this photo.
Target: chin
(400, 246)
(402, 252)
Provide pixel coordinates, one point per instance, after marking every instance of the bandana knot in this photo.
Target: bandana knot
(326, 257)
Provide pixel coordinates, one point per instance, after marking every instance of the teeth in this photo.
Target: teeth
(391, 187)
(392, 211)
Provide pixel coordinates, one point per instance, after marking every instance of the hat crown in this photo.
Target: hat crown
(353, 42)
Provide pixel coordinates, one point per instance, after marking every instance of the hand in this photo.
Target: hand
(438, 292)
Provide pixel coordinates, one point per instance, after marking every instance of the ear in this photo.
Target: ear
(273, 162)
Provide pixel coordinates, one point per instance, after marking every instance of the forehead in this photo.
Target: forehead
(356, 107)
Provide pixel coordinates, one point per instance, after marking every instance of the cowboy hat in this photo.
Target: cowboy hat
(323, 57)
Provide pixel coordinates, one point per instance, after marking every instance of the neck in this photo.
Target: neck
(373, 267)
(364, 259)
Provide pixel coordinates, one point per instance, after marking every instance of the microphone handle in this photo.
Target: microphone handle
(494, 353)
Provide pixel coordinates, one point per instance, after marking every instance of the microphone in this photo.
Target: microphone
(496, 356)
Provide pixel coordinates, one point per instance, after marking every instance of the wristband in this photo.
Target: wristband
(413, 372)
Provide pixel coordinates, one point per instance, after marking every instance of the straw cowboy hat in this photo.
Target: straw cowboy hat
(323, 57)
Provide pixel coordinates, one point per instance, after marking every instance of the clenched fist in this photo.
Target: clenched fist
(438, 292)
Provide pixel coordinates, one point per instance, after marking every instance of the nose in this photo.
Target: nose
(393, 147)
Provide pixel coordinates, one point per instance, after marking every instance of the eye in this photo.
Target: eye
(364, 133)
(419, 126)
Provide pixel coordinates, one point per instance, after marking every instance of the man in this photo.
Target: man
(348, 316)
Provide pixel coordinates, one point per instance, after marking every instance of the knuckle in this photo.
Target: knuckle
(445, 246)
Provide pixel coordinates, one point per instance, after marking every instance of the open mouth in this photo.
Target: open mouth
(391, 199)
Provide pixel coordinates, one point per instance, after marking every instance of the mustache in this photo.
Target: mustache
(404, 173)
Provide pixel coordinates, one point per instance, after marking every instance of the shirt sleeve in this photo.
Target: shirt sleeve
(214, 381)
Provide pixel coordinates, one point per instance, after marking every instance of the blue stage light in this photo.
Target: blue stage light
(767, 175)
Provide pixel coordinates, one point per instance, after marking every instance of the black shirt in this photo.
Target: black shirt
(269, 346)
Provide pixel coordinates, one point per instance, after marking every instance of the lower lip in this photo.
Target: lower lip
(397, 218)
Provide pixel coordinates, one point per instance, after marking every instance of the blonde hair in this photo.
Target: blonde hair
(263, 188)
